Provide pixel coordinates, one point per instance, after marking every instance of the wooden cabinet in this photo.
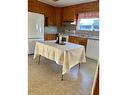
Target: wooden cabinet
(83, 41)
(54, 16)
(48, 12)
(58, 16)
(74, 39)
(51, 16)
(78, 40)
(50, 37)
(68, 13)
(71, 39)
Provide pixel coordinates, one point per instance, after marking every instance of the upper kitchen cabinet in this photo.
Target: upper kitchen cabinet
(58, 16)
(68, 14)
(51, 16)
(48, 11)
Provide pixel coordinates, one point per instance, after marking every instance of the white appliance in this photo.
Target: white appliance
(35, 30)
(92, 49)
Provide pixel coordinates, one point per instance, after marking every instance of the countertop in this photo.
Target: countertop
(93, 37)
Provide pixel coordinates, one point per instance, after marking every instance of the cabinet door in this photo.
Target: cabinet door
(71, 39)
(83, 41)
(68, 13)
(50, 37)
(45, 9)
(58, 16)
(77, 40)
(74, 39)
(51, 16)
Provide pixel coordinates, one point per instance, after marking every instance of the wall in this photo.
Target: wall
(70, 28)
(39, 7)
(70, 12)
(81, 8)
(87, 7)
(50, 30)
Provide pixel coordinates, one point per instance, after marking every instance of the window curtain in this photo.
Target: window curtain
(86, 15)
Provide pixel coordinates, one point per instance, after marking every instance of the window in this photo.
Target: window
(88, 21)
(90, 24)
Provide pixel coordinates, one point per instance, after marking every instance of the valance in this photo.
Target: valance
(88, 15)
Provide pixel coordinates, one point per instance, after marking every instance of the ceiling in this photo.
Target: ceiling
(63, 3)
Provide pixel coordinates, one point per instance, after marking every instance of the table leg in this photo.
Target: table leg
(79, 65)
(62, 78)
(39, 59)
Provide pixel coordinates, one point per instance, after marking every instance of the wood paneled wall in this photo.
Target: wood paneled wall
(70, 12)
(58, 15)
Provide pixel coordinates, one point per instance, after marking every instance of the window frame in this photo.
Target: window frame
(92, 26)
(87, 15)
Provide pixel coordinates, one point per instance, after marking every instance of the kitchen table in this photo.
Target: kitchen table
(67, 55)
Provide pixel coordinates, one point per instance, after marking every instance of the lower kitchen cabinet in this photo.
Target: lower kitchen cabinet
(50, 37)
(74, 39)
(78, 40)
(83, 41)
(71, 39)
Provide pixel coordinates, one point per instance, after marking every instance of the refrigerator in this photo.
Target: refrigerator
(35, 30)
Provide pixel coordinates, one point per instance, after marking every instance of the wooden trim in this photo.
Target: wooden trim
(95, 88)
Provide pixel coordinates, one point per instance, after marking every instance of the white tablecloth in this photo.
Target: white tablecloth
(67, 55)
